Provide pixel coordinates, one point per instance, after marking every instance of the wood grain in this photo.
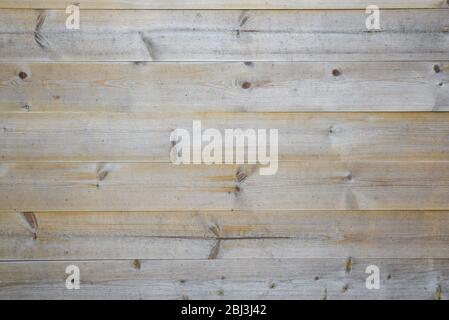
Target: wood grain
(217, 35)
(162, 186)
(145, 137)
(229, 87)
(85, 176)
(222, 4)
(230, 235)
(230, 279)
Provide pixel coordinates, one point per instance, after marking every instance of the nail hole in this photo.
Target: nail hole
(436, 68)
(349, 177)
(246, 85)
(23, 75)
(336, 72)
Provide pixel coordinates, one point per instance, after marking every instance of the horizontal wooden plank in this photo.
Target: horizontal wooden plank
(161, 186)
(223, 235)
(235, 86)
(144, 137)
(167, 35)
(232, 279)
(222, 4)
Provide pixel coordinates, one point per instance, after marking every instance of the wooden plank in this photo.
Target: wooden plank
(232, 279)
(221, 4)
(235, 86)
(162, 186)
(223, 235)
(158, 35)
(144, 137)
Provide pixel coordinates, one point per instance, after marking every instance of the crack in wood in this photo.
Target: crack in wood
(148, 45)
(215, 229)
(41, 41)
(243, 18)
(30, 222)
(349, 265)
(438, 293)
(214, 252)
(102, 172)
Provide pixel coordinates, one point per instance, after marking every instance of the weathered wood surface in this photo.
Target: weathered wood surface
(144, 137)
(237, 87)
(85, 177)
(223, 4)
(163, 186)
(229, 279)
(190, 35)
(223, 235)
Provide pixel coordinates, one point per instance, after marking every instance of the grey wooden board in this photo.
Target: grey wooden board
(322, 185)
(145, 137)
(223, 4)
(223, 235)
(232, 279)
(225, 87)
(164, 35)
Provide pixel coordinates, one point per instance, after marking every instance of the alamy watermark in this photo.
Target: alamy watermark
(373, 20)
(235, 146)
(73, 20)
(72, 282)
(373, 280)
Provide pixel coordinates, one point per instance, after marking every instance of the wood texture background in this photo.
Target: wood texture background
(223, 4)
(86, 178)
(223, 35)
